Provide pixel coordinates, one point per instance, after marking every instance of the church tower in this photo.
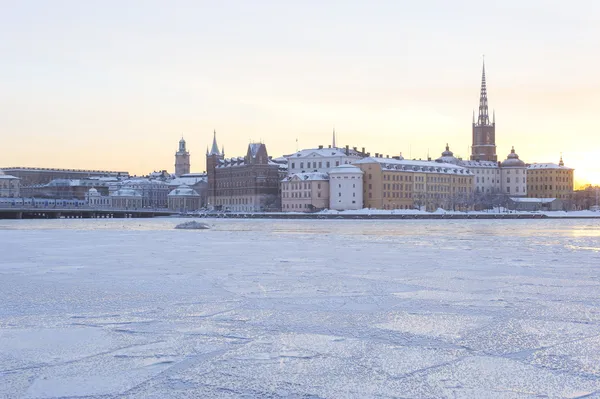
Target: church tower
(182, 159)
(484, 132)
(213, 159)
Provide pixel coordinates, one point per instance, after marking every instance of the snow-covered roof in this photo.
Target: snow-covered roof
(187, 180)
(126, 192)
(311, 176)
(324, 152)
(547, 166)
(416, 166)
(254, 147)
(478, 164)
(184, 191)
(513, 161)
(346, 168)
(7, 177)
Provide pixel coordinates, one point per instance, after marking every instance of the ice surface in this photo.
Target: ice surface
(300, 309)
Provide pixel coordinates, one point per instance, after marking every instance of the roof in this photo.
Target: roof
(346, 168)
(547, 166)
(184, 191)
(7, 177)
(126, 192)
(478, 164)
(254, 147)
(416, 166)
(187, 180)
(324, 152)
(311, 176)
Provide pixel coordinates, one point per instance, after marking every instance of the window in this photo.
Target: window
(339, 194)
(320, 164)
(328, 164)
(301, 165)
(293, 165)
(337, 163)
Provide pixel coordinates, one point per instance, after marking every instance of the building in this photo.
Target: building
(184, 199)
(9, 185)
(243, 184)
(96, 200)
(126, 198)
(196, 181)
(322, 160)
(396, 183)
(514, 175)
(154, 192)
(550, 180)
(182, 159)
(534, 204)
(305, 192)
(346, 188)
(484, 132)
(486, 174)
(39, 176)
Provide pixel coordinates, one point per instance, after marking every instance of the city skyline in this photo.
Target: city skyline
(87, 88)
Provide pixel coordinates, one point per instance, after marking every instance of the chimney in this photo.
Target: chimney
(368, 154)
(363, 150)
(387, 156)
(354, 148)
(329, 146)
(347, 150)
(320, 147)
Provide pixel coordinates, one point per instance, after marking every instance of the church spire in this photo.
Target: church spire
(561, 163)
(215, 148)
(484, 119)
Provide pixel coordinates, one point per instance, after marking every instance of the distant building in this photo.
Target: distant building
(154, 192)
(550, 180)
(484, 132)
(243, 184)
(196, 181)
(126, 198)
(535, 204)
(321, 160)
(9, 185)
(96, 200)
(182, 159)
(396, 183)
(346, 188)
(184, 199)
(487, 176)
(305, 192)
(66, 189)
(36, 176)
(514, 175)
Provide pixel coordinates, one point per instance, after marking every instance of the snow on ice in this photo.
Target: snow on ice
(300, 309)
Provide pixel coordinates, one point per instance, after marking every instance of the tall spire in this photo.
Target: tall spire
(484, 118)
(215, 148)
(333, 137)
(561, 163)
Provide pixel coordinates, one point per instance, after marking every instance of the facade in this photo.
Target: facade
(196, 181)
(184, 199)
(243, 184)
(514, 175)
(9, 186)
(484, 132)
(396, 183)
(534, 204)
(305, 192)
(126, 198)
(39, 176)
(96, 200)
(154, 192)
(550, 180)
(487, 176)
(346, 188)
(321, 160)
(182, 159)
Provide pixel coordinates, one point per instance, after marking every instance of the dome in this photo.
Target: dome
(448, 156)
(126, 192)
(93, 192)
(513, 161)
(184, 191)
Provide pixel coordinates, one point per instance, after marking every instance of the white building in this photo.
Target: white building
(126, 198)
(487, 175)
(9, 185)
(184, 199)
(514, 175)
(305, 192)
(345, 188)
(321, 160)
(97, 200)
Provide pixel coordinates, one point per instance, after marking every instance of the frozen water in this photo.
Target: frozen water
(300, 309)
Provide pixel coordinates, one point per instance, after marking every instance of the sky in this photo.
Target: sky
(114, 85)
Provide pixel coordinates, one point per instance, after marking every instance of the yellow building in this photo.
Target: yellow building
(549, 180)
(396, 183)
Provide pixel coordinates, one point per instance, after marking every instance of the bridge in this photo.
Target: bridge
(33, 212)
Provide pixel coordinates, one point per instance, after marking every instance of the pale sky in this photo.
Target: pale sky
(115, 84)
